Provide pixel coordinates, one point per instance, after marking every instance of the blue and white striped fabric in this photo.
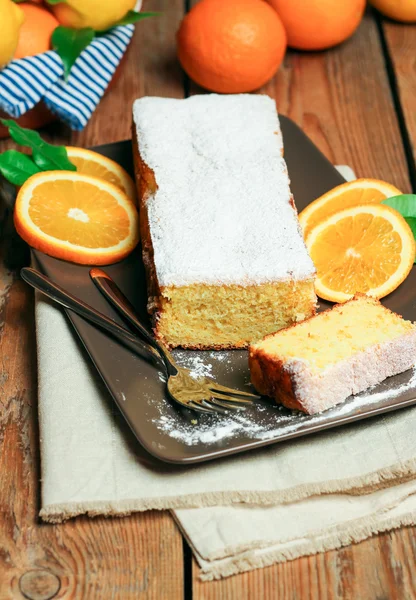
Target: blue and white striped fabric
(24, 82)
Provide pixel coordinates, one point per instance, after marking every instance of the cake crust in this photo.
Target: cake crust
(292, 383)
(146, 186)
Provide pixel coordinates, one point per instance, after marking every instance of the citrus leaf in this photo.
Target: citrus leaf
(405, 204)
(46, 156)
(69, 43)
(16, 167)
(132, 17)
(53, 1)
(411, 221)
(52, 158)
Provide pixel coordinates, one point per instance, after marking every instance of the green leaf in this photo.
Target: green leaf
(69, 43)
(132, 17)
(405, 204)
(16, 167)
(54, 1)
(411, 221)
(46, 156)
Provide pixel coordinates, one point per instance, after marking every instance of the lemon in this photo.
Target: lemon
(12, 18)
(91, 13)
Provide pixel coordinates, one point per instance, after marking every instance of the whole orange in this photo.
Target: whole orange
(36, 31)
(318, 24)
(231, 46)
(400, 10)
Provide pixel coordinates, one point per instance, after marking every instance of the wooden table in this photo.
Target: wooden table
(357, 103)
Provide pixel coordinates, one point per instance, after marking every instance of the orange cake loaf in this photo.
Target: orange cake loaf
(222, 247)
(316, 364)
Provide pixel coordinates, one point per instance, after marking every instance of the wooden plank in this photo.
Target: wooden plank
(149, 70)
(137, 556)
(401, 43)
(381, 567)
(342, 100)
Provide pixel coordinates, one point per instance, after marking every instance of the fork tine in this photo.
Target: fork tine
(214, 406)
(231, 399)
(196, 406)
(215, 387)
(226, 405)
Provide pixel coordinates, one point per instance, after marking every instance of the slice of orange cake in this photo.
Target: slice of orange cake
(224, 255)
(318, 363)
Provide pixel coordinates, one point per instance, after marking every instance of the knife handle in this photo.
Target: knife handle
(115, 296)
(61, 296)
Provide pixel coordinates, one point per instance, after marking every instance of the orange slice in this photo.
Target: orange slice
(368, 249)
(97, 165)
(353, 193)
(76, 217)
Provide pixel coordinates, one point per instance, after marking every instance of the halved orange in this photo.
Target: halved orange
(353, 193)
(368, 249)
(76, 217)
(97, 165)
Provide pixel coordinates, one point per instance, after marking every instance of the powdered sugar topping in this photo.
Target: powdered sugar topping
(259, 426)
(221, 214)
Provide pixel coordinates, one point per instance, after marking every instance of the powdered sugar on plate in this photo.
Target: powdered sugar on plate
(194, 363)
(257, 424)
(197, 364)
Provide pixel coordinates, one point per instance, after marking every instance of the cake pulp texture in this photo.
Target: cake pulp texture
(222, 246)
(317, 364)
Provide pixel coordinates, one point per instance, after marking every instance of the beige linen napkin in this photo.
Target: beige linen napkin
(288, 500)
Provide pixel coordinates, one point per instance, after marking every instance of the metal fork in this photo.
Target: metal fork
(202, 394)
(195, 396)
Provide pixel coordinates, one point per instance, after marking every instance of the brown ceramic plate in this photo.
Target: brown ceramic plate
(177, 436)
